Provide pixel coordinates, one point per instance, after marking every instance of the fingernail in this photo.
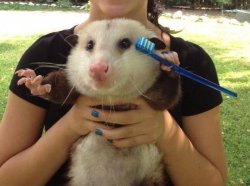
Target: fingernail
(98, 132)
(95, 114)
(110, 140)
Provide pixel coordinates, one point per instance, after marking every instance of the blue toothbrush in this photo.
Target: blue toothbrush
(147, 47)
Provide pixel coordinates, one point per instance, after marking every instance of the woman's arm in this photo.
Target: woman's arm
(195, 155)
(26, 159)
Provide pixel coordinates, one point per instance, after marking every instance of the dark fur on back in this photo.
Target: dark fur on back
(166, 92)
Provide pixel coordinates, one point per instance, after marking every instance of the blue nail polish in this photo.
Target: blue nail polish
(98, 132)
(95, 114)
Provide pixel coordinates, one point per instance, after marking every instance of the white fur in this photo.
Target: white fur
(128, 67)
(95, 161)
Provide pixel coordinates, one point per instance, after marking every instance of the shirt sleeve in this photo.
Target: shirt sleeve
(198, 98)
(37, 52)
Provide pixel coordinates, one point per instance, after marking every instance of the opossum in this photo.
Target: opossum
(104, 63)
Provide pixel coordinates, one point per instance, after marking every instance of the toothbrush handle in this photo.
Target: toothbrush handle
(192, 76)
(202, 80)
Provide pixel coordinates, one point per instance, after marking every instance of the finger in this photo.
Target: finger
(176, 58)
(168, 55)
(43, 89)
(26, 73)
(91, 101)
(19, 72)
(98, 115)
(37, 80)
(97, 128)
(172, 57)
(28, 83)
(38, 88)
(89, 113)
(121, 117)
(29, 73)
(129, 131)
(31, 87)
(142, 112)
(21, 81)
(134, 141)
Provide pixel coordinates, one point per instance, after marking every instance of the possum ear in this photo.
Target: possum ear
(159, 44)
(71, 40)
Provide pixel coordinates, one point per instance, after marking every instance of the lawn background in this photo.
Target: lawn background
(229, 47)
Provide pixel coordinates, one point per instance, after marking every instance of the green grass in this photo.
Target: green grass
(232, 60)
(230, 53)
(10, 53)
(60, 6)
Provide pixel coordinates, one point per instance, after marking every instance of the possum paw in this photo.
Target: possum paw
(172, 57)
(33, 82)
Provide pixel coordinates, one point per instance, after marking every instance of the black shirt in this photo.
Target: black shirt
(53, 48)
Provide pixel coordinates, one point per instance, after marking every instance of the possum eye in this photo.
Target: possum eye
(124, 43)
(90, 45)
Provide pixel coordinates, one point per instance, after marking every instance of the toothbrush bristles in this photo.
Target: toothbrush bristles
(145, 44)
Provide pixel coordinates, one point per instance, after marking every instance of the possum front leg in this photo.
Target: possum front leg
(61, 92)
(53, 87)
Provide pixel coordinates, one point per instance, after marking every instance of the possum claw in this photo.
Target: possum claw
(33, 82)
(41, 90)
(172, 57)
(47, 88)
(26, 73)
(21, 81)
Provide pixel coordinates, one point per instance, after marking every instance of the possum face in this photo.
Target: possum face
(104, 62)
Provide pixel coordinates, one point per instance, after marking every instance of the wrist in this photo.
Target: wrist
(67, 130)
(75, 123)
(167, 137)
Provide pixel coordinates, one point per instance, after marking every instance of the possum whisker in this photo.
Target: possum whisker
(48, 66)
(138, 89)
(105, 119)
(48, 63)
(67, 96)
(113, 108)
(52, 66)
(102, 104)
(110, 108)
(65, 39)
(63, 56)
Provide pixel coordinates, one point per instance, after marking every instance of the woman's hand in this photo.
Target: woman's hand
(140, 126)
(83, 117)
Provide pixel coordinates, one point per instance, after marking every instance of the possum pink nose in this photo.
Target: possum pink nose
(99, 71)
